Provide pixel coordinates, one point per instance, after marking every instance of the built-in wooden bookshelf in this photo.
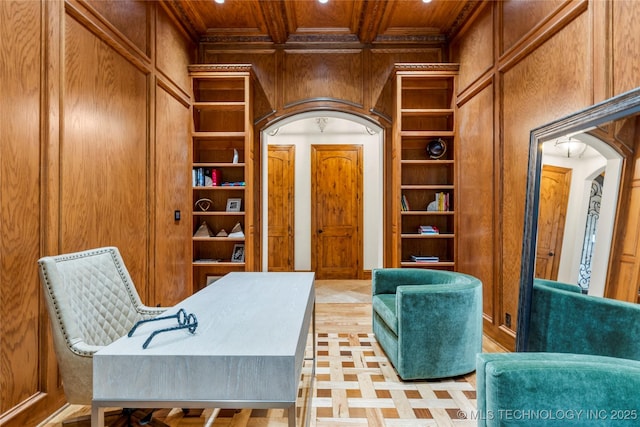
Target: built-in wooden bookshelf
(221, 138)
(424, 180)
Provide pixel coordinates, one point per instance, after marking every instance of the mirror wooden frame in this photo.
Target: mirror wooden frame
(612, 109)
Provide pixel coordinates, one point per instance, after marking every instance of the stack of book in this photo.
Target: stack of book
(428, 229)
(424, 258)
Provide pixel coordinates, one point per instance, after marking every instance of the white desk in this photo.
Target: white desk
(247, 351)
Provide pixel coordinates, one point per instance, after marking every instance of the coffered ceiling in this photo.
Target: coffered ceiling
(308, 21)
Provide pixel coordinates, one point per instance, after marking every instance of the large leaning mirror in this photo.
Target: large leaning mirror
(579, 168)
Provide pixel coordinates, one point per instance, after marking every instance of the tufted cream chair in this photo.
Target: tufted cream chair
(91, 302)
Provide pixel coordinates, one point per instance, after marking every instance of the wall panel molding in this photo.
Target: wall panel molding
(323, 74)
(85, 177)
(107, 33)
(542, 32)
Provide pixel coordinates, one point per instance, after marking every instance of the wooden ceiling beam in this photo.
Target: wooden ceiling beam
(371, 15)
(275, 18)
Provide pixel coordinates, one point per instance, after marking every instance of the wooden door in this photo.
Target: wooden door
(336, 211)
(554, 196)
(280, 170)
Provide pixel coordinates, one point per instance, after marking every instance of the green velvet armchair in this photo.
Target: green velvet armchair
(582, 367)
(428, 322)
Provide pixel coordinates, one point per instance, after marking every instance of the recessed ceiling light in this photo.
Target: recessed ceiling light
(323, 1)
(219, 1)
(426, 1)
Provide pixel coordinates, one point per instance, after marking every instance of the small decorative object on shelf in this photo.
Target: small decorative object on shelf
(236, 231)
(436, 148)
(235, 156)
(238, 253)
(233, 205)
(441, 203)
(222, 233)
(203, 230)
(203, 204)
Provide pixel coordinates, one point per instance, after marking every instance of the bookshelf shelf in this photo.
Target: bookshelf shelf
(427, 213)
(427, 236)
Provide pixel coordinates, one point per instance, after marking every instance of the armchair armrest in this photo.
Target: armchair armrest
(556, 389)
(387, 280)
(81, 348)
(569, 287)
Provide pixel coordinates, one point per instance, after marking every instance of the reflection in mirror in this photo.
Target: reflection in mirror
(573, 199)
(579, 185)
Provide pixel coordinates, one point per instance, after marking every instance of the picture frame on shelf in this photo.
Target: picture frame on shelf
(238, 253)
(233, 205)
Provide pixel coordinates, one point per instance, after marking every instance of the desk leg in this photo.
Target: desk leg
(313, 334)
(97, 416)
(291, 415)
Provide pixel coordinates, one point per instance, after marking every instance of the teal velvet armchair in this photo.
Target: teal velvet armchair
(582, 367)
(428, 322)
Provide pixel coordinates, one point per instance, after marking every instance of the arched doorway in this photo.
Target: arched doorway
(302, 132)
(581, 237)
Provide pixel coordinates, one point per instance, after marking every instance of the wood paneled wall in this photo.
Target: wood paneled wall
(20, 192)
(94, 124)
(524, 64)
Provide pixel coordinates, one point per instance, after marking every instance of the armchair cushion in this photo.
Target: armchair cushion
(385, 307)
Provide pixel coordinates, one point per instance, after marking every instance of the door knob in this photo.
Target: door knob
(551, 254)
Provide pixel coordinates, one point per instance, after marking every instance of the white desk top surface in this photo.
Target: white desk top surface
(249, 345)
(240, 314)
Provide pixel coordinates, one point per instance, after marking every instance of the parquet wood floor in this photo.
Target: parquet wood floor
(355, 385)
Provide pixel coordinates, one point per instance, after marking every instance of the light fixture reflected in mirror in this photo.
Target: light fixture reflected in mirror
(570, 147)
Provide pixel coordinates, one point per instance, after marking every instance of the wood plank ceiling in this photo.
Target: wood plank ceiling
(309, 21)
